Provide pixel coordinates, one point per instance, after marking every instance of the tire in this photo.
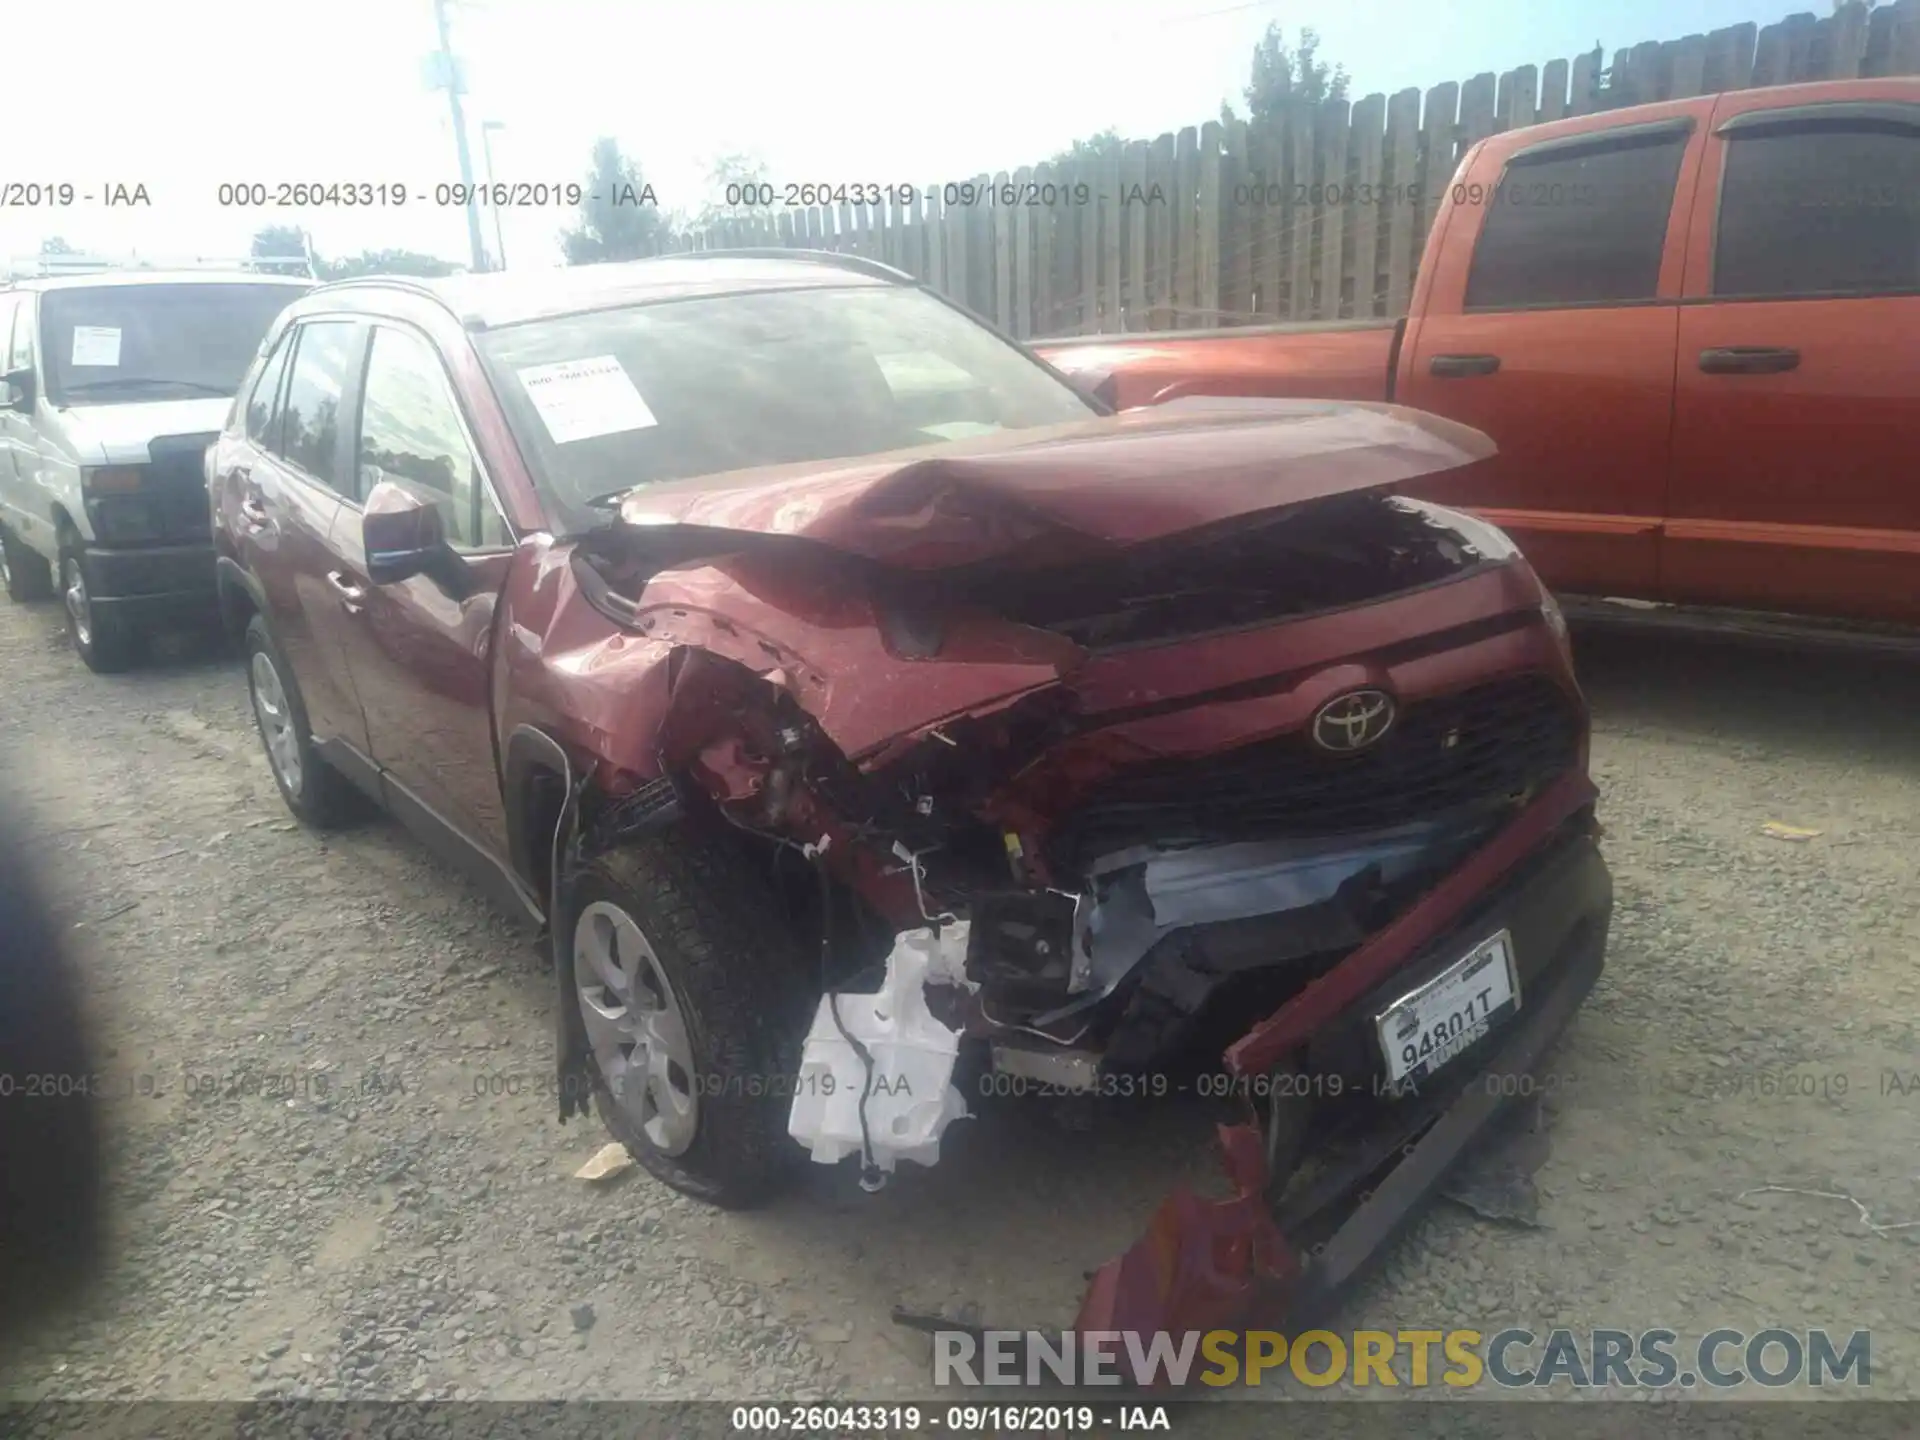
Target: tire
(717, 950)
(105, 640)
(27, 575)
(319, 796)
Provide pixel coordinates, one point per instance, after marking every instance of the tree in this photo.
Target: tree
(1282, 73)
(385, 262)
(619, 217)
(57, 245)
(746, 172)
(1107, 145)
(277, 242)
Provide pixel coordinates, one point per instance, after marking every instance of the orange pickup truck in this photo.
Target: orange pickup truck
(1692, 328)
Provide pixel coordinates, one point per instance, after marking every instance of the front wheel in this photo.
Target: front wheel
(25, 572)
(103, 639)
(691, 994)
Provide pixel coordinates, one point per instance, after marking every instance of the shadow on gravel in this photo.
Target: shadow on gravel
(1826, 705)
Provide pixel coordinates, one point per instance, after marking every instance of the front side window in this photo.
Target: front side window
(1820, 209)
(606, 401)
(121, 344)
(324, 356)
(411, 436)
(1577, 225)
(20, 353)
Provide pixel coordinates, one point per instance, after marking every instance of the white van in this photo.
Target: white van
(112, 385)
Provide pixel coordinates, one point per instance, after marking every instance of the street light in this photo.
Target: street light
(487, 127)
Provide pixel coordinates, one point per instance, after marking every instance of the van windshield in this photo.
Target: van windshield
(116, 344)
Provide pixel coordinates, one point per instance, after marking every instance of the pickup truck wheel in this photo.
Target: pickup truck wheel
(26, 573)
(104, 640)
(318, 795)
(689, 987)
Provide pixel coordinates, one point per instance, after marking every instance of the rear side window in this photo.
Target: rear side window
(262, 415)
(327, 352)
(1577, 225)
(1820, 209)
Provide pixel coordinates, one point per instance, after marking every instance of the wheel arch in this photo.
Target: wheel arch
(240, 594)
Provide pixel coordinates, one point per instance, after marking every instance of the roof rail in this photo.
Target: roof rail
(860, 264)
(45, 267)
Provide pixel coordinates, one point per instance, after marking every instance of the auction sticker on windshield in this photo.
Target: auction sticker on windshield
(1427, 1027)
(580, 399)
(96, 345)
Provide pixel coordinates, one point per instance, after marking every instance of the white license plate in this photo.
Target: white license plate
(1425, 1028)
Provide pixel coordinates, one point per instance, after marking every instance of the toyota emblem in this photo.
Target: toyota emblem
(1353, 721)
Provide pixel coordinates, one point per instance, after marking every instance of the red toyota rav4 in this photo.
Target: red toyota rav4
(734, 615)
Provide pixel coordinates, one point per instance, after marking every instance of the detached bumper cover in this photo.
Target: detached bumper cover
(152, 575)
(1207, 1264)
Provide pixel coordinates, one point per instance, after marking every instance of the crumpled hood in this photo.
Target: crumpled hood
(1115, 480)
(120, 433)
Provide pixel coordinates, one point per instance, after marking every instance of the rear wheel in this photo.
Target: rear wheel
(25, 572)
(316, 793)
(104, 639)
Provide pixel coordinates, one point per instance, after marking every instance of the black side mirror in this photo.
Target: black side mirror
(404, 536)
(16, 391)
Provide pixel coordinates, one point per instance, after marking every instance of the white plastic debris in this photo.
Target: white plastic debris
(912, 1098)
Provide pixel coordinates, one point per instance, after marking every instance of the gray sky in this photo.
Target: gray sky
(183, 96)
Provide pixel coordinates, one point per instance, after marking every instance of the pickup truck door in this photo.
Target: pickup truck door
(1796, 454)
(421, 654)
(1546, 315)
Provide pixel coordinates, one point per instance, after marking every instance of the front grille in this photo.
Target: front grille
(1475, 747)
(176, 487)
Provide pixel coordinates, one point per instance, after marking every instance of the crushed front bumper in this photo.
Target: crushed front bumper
(1205, 1264)
(1283, 1258)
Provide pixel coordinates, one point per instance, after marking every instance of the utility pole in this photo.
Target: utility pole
(487, 127)
(451, 76)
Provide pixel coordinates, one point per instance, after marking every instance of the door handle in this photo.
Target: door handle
(1451, 367)
(1749, 360)
(351, 595)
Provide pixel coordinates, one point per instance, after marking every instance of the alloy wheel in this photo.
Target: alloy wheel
(275, 716)
(79, 607)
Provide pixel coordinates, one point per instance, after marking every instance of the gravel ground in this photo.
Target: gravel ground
(368, 1194)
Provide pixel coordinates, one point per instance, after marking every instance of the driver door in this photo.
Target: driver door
(421, 655)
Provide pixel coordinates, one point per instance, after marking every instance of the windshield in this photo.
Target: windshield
(121, 343)
(607, 401)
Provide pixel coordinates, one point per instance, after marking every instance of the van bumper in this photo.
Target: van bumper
(170, 578)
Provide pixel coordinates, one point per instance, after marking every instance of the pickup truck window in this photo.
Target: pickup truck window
(410, 435)
(263, 415)
(658, 392)
(1575, 225)
(20, 353)
(327, 352)
(1820, 209)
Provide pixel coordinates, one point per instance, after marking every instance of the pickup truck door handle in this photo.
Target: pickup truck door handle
(350, 594)
(254, 513)
(1749, 360)
(1455, 366)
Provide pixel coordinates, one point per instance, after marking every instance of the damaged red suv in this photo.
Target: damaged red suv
(737, 615)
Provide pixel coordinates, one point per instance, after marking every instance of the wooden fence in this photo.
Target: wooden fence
(1318, 215)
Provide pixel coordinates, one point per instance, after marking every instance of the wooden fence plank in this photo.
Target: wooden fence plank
(1849, 41)
(1044, 180)
(1160, 217)
(1134, 177)
(1553, 90)
(1436, 154)
(1583, 95)
(1367, 143)
(1401, 209)
(1689, 72)
(1206, 223)
(1477, 98)
(1107, 177)
(1233, 233)
(1186, 180)
(1770, 56)
(1332, 123)
(1086, 318)
(1903, 52)
(1020, 272)
(937, 241)
(1801, 31)
(1519, 99)
(1299, 211)
(1002, 216)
